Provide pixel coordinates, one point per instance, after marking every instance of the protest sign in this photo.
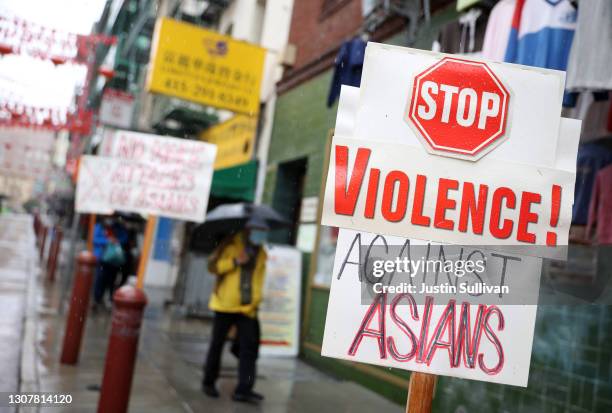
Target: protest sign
(279, 312)
(437, 112)
(477, 335)
(148, 174)
(415, 111)
(533, 114)
(371, 187)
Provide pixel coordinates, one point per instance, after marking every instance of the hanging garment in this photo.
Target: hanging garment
(348, 66)
(600, 211)
(498, 31)
(593, 108)
(592, 157)
(591, 54)
(541, 35)
(464, 35)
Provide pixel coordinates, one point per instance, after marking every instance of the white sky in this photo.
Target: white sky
(36, 82)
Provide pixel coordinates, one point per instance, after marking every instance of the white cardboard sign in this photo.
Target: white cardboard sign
(534, 109)
(377, 112)
(372, 187)
(454, 335)
(540, 147)
(150, 175)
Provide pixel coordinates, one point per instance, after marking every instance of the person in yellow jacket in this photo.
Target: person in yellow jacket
(239, 263)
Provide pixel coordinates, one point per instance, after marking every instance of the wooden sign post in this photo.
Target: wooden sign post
(420, 392)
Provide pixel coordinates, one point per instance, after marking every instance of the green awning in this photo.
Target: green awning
(237, 182)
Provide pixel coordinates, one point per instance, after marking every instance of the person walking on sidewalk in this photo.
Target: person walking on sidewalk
(239, 265)
(110, 256)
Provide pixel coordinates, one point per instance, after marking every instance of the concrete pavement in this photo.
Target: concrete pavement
(17, 260)
(168, 371)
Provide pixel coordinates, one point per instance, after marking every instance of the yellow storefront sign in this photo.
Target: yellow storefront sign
(234, 138)
(202, 66)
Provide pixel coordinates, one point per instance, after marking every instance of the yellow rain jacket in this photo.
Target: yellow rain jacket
(227, 294)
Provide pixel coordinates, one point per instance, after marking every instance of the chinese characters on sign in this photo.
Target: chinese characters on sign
(205, 67)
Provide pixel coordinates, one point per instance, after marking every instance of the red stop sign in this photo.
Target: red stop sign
(459, 108)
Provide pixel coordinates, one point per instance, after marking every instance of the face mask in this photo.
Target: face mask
(258, 237)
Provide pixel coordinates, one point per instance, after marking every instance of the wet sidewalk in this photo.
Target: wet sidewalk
(17, 260)
(169, 366)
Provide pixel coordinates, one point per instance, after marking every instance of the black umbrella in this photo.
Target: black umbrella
(231, 218)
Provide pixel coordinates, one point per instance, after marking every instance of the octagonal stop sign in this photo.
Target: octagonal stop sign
(459, 108)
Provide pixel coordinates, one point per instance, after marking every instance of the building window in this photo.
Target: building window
(331, 6)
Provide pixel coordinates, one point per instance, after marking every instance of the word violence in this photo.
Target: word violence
(465, 206)
(461, 337)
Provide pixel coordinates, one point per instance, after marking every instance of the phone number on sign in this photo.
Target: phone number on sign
(24, 399)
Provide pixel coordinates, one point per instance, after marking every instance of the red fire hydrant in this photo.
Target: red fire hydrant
(129, 303)
(79, 304)
(54, 249)
(43, 240)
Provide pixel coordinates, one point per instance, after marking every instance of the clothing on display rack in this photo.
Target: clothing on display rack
(347, 69)
(541, 35)
(464, 35)
(600, 211)
(591, 53)
(498, 31)
(593, 108)
(592, 157)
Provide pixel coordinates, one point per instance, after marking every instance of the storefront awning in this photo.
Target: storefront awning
(237, 182)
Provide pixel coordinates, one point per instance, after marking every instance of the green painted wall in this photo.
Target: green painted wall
(301, 124)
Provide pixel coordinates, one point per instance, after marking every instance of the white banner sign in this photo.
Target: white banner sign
(443, 321)
(402, 181)
(371, 187)
(427, 100)
(508, 191)
(150, 174)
